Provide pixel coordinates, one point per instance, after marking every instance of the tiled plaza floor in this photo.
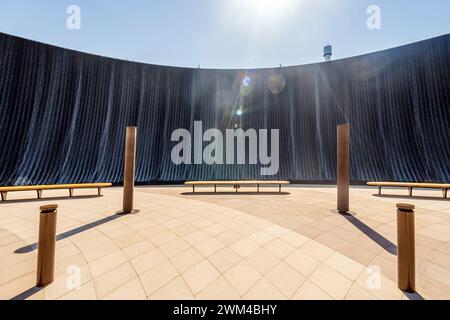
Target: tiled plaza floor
(224, 246)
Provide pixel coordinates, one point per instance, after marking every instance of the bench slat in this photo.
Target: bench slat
(208, 183)
(55, 187)
(410, 185)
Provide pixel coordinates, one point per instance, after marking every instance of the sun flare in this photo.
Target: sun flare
(268, 8)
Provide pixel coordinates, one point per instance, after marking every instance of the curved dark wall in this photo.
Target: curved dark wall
(64, 113)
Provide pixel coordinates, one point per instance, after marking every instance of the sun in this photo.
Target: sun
(268, 8)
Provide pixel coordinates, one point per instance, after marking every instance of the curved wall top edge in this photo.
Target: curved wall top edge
(343, 60)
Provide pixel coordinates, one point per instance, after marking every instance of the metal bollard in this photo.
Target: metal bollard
(406, 247)
(129, 169)
(343, 168)
(47, 244)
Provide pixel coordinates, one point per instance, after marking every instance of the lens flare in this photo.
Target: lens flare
(276, 83)
(247, 81)
(246, 86)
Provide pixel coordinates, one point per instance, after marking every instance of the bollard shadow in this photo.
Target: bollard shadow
(372, 234)
(413, 296)
(28, 293)
(49, 199)
(392, 196)
(70, 233)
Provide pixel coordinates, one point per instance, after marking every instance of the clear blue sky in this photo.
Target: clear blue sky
(225, 33)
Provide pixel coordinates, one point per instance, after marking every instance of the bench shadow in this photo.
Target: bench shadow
(392, 196)
(231, 193)
(372, 234)
(49, 199)
(70, 233)
(28, 293)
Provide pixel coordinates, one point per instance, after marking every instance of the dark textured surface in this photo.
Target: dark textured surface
(63, 115)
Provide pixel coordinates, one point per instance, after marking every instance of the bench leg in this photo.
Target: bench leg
(444, 193)
(258, 188)
(410, 191)
(99, 192)
(4, 195)
(215, 188)
(39, 194)
(280, 188)
(379, 190)
(193, 189)
(71, 193)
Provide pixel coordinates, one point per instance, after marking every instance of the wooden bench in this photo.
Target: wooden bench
(236, 184)
(411, 185)
(39, 189)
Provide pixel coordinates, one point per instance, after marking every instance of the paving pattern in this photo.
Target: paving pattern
(224, 246)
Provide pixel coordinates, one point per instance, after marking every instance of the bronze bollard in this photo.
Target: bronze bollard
(406, 248)
(46, 247)
(129, 169)
(343, 168)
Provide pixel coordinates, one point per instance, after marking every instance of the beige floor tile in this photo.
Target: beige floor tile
(184, 229)
(209, 247)
(245, 229)
(132, 290)
(17, 286)
(95, 252)
(437, 232)
(196, 237)
(113, 279)
(295, 239)
(128, 239)
(148, 260)
(263, 260)
(285, 278)
(214, 229)
(310, 291)
(85, 292)
(18, 270)
(200, 276)
(176, 289)
(174, 247)
(345, 266)
(242, 277)
(162, 238)
(276, 231)
(264, 290)
(379, 286)
(224, 259)
(436, 272)
(157, 277)
(107, 263)
(244, 247)
(219, 289)
(357, 292)
(302, 262)
(186, 259)
(229, 237)
(439, 258)
(357, 253)
(316, 250)
(261, 237)
(331, 282)
(137, 249)
(280, 248)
